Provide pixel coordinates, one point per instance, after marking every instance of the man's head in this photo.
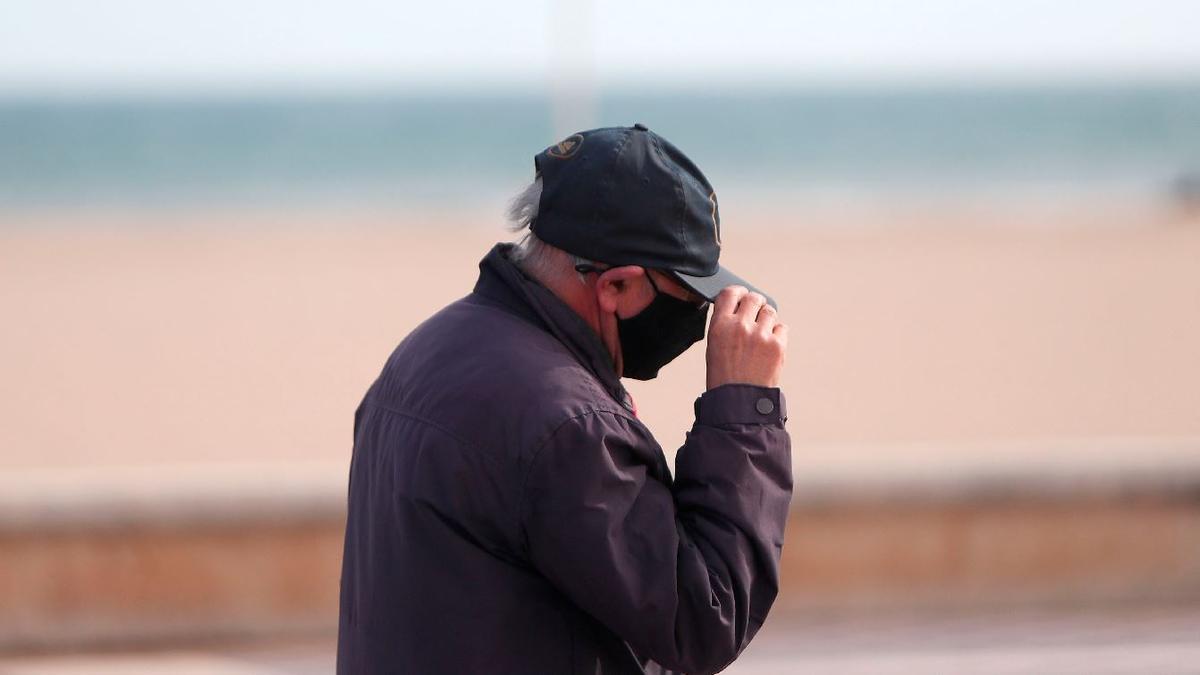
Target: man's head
(627, 196)
(626, 230)
(613, 300)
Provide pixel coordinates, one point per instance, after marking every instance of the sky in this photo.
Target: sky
(83, 45)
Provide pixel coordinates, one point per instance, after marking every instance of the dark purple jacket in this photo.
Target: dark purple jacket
(508, 513)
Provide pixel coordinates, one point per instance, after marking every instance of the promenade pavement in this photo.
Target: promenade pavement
(1164, 640)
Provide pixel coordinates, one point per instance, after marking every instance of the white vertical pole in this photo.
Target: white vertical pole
(572, 65)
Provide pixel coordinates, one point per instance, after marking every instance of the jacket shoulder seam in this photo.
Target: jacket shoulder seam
(423, 420)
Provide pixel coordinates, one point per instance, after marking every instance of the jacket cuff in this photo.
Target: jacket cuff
(741, 404)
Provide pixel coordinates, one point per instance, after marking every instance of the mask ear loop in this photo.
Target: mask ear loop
(650, 278)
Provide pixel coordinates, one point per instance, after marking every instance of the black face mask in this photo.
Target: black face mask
(653, 337)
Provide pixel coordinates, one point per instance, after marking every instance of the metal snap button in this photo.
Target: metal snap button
(764, 406)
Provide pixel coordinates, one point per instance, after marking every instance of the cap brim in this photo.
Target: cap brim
(710, 287)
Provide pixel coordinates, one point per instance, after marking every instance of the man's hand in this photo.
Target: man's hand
(746, 341)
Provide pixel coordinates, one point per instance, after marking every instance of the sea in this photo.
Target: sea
(457, 148)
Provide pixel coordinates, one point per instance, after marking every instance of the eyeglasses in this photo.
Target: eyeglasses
(587, 268)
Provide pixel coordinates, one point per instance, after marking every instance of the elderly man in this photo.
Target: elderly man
(508, 512)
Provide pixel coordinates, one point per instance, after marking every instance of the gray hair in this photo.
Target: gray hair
(537, 258)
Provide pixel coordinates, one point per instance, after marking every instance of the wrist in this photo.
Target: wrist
(741, 403)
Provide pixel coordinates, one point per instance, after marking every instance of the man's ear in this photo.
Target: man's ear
(617, 291)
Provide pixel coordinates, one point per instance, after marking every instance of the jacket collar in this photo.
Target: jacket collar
(505, 284)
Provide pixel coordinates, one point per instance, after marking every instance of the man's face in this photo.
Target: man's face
(622, 293)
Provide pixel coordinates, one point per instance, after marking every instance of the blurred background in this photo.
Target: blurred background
(981, 221)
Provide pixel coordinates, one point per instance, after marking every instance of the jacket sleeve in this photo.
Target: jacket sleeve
(685, 573)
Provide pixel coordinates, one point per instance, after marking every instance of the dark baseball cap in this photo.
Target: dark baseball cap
(627, 196)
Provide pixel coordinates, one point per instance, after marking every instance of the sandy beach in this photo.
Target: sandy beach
(166, 338)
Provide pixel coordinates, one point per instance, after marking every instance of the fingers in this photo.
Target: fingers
(727, 301)
(747, 343)
(780, 331)
(768, 318)
(749, 307)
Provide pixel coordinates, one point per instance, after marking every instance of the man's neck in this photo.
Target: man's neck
(576, 296)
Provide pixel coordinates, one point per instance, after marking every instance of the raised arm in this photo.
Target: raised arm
(684, 573)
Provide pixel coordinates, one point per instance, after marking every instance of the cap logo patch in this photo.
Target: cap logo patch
(716, 220)
(566, 147)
